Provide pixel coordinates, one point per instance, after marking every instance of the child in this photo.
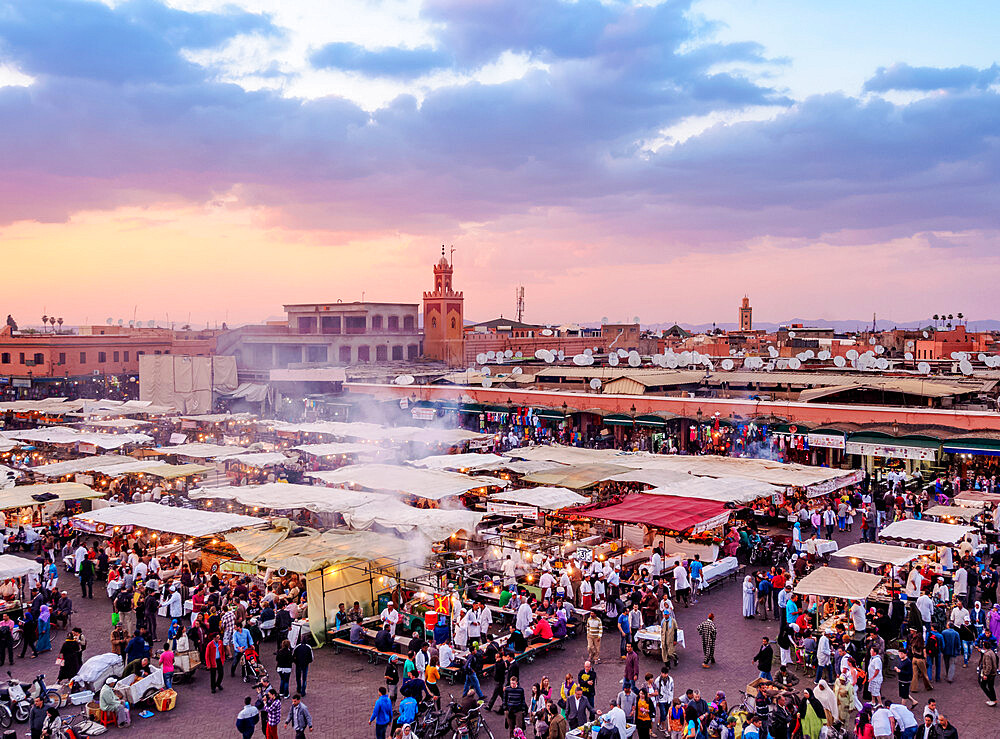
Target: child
(167, 665)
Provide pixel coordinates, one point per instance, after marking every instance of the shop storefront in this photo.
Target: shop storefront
(879, 453)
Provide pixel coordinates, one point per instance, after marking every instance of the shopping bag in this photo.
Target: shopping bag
(680, 638)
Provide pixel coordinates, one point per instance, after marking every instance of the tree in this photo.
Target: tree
(960, 317)
(935, 317)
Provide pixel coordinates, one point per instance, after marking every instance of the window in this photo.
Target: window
(364, 354)
(345, 355)
(453, 324)
(83, 357)
(102, 357)
(126, 356)
(39, 358)
(156, 351)
(394, 323)
(307, 324)
(316, 353)
(408, 323)
(331, 324)
(62, 357)
(139, 354)
(114, 357)
(354, 324)
(397, 352)
(5, 358)
(411, 351)
(381, 353)
(434, 323)
(376, 323)
(22, 357)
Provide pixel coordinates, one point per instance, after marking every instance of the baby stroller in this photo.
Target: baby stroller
(253, 670)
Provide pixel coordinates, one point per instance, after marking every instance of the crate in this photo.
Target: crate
(754, 687)
(94, 711)
(78, 699)
(165, 700)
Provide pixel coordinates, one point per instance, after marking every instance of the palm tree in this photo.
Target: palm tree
(960, 317)
(45, 320)
(935, 317)
(60, 322)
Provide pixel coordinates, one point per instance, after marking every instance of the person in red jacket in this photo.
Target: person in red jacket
(215, 660)
(542, 631)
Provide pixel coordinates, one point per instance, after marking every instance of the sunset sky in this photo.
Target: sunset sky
(209, 160)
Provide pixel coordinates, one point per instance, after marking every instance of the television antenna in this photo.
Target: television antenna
(519, 303)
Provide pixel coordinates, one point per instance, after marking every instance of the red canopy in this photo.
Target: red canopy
(670, 512)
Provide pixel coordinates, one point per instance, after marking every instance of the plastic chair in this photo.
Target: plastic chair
(108, 718)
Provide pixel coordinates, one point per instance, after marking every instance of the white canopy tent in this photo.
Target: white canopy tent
(111, 465)
(548, 498)
(336, 449)
(23, 496)
(64, 435)
(256, 459)
(376, 433)
(157, 517)
(925, 532)
(11, 567)
(203, 451)
(833, 582)
(359, 509)
(385, 478)
(470, 461)
(724, 490)
(881, 554)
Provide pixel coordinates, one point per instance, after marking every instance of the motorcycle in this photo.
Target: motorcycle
(470, 725)
(19, 700)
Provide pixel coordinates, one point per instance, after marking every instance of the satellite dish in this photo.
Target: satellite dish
(131, 324)
(121, 321)
(769, 367)
(481, 358)
(490, 355)
(613, 360)
(791, 334)
(809, 353)
(623, 353)
(956, 355)
(151, 323)
(604, 319)
(633, 360)
(794, 363)
(487, 382)
(595, 384)
(581, 360)
(508, 354)
(924, 368)
(671, 361)
(635, 319)
(546, 332)
(588, 351)
(981, 357)
(926, 334)
(517, 371)
(562, 355)
(839, 361)
(727, 364)
(539, 354)
(110, 321)
(965, 367)
(879, 349)
(908, 356)
(404, 380)
(772, 351)
(596, 349)
(871, 339)
(550, 358)
(852, 353)
(487, 372)
(824, 355)
(518, 354)
(732, 352)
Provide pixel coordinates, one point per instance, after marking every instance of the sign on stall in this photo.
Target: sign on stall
(829, 486)
(712, 523)
(404, 403)
(827, 441)
(20, 382)
(511, 509)
(84, 479)
(239, 567)
(188, 424)
(85, 448)
(892, 451)
(481, 443)
(584, 555)
(423, 414)
(178, 438)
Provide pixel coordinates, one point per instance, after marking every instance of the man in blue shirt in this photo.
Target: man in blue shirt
(408, 708)
(623, 629)
(381, 714)
(241, 642)
(696, 566)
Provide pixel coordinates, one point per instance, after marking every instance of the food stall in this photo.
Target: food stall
(13, 573)
(873, 556)
(833, 582)
(31, 505)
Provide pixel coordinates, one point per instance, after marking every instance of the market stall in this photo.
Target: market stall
(420, 483)
(915, 531)
(27, 505)
(185, 522)
(13, 585)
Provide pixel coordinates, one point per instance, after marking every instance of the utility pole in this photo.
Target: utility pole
(519, 303)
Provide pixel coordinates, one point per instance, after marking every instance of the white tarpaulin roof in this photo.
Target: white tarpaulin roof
(387, 478)
(111, 465)
(116, 423)
(881, 554)
(375, 432)
(63, 435)
(527, 467)
(256, 459)
(762, 470)
(360, 510)
(551, 499)
(931, 532)
(21, 496)
(11, 567)
(724, 490)
(182, 521)
(459, 462)
(833, 582)
(84, 407)
(219, 417)
(336, 448)
(203, 451)
(951, 512)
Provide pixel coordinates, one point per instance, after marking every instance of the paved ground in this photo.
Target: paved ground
(342, 688)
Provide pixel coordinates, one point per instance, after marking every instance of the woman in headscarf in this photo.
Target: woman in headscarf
(749, 598)
(72, 657)
(865, 730)
(812, 715)
(993, 622)
(44, 643)
(978, 618)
